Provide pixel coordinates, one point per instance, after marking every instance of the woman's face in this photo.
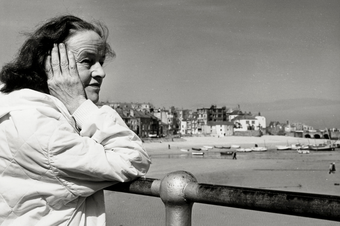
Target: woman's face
(89, 51)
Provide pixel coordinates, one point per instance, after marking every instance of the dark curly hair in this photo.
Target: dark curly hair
(27, 70)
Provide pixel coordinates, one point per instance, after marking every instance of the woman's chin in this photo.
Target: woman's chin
(94, 97)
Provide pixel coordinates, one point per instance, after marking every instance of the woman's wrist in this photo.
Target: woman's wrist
(73, 105)
(81, 114)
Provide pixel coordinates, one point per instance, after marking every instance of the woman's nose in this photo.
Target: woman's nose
(98, 70)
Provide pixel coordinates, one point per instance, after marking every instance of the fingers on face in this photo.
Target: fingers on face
(61, 60)
(48, 66)
(72, 63)
(55, 59)
(63, 57)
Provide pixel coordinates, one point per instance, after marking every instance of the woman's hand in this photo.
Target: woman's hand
(63, 78)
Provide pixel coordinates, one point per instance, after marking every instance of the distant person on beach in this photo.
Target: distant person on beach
(332, 168)
(58, 149)
(234, 155)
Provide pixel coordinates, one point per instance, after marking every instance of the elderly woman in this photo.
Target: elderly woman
(58, 149)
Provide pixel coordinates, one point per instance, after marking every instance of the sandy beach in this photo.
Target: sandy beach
(282, 170)
(188, 142)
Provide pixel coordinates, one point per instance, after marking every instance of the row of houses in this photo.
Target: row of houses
(140, 119)
(221, 121)
(279, 128)
(147, 121)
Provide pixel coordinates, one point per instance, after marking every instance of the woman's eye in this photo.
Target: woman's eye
(86, 61)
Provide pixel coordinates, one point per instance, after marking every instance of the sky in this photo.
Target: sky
(279, 58)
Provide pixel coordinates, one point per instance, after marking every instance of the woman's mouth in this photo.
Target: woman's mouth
(95, 85)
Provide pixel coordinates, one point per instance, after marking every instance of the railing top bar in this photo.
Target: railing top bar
(321, 206)
(142, 186)
(268, 191)
(284, 202)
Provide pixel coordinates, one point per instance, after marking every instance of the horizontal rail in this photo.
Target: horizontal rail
(284, 202)
(181, 188)
(141, 186)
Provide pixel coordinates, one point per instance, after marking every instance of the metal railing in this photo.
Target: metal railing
(180, 190)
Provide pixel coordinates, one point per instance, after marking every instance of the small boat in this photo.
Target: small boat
(226, 152)
(196, 149)
(322, 147)
(184, 150)
(204, 149)
(283, 147)
(222, 147)
(208, 147)
(197, 153)
(299, 146)
(235, 146)
(259, 149)
(303, 151)
(244, 149)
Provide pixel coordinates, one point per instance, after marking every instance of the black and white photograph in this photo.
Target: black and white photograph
(169, 112)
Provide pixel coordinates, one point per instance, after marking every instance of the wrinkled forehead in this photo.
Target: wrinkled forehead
(89, 41)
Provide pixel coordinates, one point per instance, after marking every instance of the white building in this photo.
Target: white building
(219, 129)
(183, 127)
(261, 122)
(244, 123)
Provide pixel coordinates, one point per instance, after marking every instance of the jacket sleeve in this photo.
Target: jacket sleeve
(105, 151)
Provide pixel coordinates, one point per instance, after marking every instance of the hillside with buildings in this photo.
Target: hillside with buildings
(148, 121)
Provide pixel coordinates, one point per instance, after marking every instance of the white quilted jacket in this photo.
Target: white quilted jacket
(51, 174)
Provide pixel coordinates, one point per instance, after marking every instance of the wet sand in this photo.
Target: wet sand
(282, 170)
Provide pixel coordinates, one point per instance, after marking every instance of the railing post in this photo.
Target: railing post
(177, 209)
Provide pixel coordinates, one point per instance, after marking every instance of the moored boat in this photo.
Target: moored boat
(244, 149)
(283, 147)
(259, 149)
(197, 153)
(299, 146)
(184, 150)
(196, 149)
(235, 146)
(222, 147)
(226, 152)
(303, 151)
(322, 147)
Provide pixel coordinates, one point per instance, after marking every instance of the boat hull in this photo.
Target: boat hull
(185, 150)
(196, 149)
(198, 153)
(244, 149)
(259, 149)
(303, 151)
(321, 148)
(226, 152)
(283, 148)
